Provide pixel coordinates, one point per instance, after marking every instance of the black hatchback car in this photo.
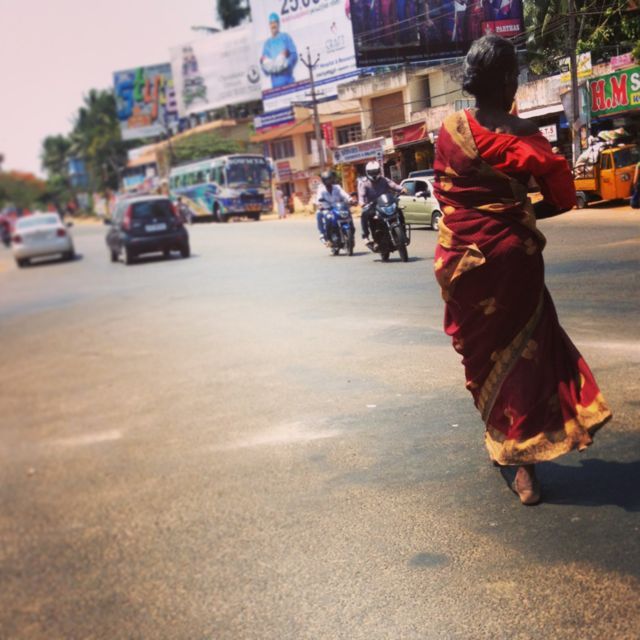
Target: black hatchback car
(146, 224)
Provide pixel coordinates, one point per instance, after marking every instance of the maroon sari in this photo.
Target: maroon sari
(536, 394)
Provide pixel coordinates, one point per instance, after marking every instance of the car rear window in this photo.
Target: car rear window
(36, 221)
(153, 209)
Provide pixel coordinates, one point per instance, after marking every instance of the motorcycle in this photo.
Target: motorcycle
(388, 230)
(339, 228)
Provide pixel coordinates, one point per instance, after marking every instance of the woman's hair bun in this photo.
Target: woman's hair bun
(491, 61)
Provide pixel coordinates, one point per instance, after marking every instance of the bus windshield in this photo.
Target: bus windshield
(248, 172)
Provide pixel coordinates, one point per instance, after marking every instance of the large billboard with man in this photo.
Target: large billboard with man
(284, 30)
(396, 31)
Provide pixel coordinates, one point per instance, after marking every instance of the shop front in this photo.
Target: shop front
(614, 101)
(414, 145)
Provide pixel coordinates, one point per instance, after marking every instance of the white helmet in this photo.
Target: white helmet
(373, 170)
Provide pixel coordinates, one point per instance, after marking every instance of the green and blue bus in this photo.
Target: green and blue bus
(224, 187)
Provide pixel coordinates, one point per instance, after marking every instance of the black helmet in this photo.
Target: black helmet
(328, 178)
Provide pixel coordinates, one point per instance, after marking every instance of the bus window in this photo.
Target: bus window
(200, 177)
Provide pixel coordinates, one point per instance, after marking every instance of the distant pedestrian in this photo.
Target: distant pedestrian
(280, 204)
(536, 394)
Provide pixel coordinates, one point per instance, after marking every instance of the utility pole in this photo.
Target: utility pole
(573, 66)
(314, 104)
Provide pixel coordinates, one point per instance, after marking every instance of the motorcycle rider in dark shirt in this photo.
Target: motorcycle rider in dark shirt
(369, 190)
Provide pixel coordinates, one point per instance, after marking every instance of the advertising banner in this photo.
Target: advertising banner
(283, 31)
(615, 93)
(395, 31)
(409, 133)
(216, 70)
(145, 101)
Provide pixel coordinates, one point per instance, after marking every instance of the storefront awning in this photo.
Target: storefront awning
(409, 134)
(541, 111)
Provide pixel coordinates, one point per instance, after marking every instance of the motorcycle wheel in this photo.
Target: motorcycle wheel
(385, 256)
(402, 245)
(335, 251)
(351, 243)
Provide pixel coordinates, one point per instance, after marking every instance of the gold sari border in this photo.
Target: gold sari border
(577, 434)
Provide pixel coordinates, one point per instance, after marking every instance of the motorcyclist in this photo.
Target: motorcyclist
(369, 190)
(328, 194)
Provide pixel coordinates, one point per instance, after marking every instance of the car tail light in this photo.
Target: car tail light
(61, 233)
(128, 216)
(16, 238)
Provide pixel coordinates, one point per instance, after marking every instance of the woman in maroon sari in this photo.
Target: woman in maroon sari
(535, 392)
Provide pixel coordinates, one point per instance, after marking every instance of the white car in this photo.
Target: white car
(40, 234)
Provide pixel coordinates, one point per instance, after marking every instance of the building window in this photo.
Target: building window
(282, 149)
(352, 133)
(426, 93)
(309, 139)
(465, 104)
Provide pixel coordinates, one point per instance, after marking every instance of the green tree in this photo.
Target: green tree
(96, 139)
(603, 27)
(232, 13)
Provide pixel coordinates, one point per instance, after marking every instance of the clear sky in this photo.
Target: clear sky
(52, 52)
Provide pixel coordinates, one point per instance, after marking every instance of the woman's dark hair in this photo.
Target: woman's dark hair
(489, 65)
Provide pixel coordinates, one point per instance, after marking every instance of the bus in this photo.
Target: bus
(224, 187)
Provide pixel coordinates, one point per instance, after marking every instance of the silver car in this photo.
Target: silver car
(39, 235)
(418, 203)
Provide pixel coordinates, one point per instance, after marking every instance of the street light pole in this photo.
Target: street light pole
(314, 104)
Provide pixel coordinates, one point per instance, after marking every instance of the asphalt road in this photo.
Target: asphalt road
(267, 442)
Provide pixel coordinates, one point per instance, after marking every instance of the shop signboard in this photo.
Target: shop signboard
(329, 134)
(145, 101)
(619, 62)
(550, 132)
(285, 31)
(395, 31)
(283, 170)
(274, 119)
(216, 70)
(585, 68)
(614, 93)
(409, 133)
(359, 151)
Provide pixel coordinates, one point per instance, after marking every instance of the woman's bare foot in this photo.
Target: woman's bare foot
(526, 485)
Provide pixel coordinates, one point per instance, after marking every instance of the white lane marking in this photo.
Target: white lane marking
(89, 438)
(282, 434)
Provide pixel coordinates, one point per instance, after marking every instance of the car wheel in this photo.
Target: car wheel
(435, 220)
(69, 255)
(129, 256)
(167, 253)
(22, 262)
(185, 251)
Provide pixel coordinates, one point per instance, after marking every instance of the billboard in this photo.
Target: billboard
(283, 31)
(216, 70)
(394, 31)
(145, 101)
